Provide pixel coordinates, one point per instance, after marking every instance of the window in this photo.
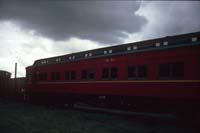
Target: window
(91, 74)
(36, 76)
(67, 75)
(171, 71)
(55, 76)
(84, 74)
(142, 71)
(42, 76)
(28, 77)
(88, 74)
(177, 70)
(45, 76)
(137, 72)
(199, 70)
(110, 73)
(114, 73)
(105, 73)
(131, 72)
(164, 71)
(71, 75)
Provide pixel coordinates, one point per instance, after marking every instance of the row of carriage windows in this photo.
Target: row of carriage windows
(165, 71)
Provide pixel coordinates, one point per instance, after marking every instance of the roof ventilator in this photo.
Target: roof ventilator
(44, 61)
(165, 43)
(128, 48)
(58, 59)
(135, 47)
(157, 44)
(194, 39)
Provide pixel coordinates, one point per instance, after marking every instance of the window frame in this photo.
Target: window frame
(110, 73)
(70, 75)
(84, 74)
(166, 76)
(105, 74)
(114, 73)
(55, 76)
(144, 73)
(136, 72)
(42, 76)
(89, 73)
(198, 67)
(173, 70)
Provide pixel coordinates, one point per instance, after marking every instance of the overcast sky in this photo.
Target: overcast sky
(33, 30)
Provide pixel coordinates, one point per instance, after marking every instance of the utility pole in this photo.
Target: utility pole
(15, 86)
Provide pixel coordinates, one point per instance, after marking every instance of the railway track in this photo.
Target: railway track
(146, 116)
(121, 112)
(165, 118)
(85, 118)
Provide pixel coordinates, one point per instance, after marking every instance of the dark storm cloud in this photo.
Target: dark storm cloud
(102, 21)
(167, 18)
(182, 18)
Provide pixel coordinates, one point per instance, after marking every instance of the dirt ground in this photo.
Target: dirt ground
(25, 118)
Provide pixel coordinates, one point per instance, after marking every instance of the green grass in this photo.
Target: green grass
(25, 118)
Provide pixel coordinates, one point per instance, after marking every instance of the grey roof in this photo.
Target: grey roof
(168, 42)
(3, 71)
(4, 74)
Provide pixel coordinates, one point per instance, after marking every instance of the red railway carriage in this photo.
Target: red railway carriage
(163, 71)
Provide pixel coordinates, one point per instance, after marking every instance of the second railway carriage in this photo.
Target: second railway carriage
(160, 73)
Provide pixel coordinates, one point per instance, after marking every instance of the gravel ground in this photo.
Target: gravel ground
(25, 118)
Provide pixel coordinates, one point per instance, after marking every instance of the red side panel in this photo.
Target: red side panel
(150, 89)
(190, 56)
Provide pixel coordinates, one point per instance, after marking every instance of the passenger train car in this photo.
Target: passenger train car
(161, 74)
